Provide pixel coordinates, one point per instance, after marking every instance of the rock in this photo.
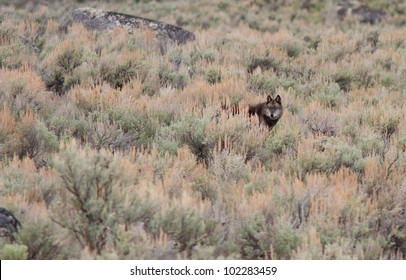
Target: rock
(361, 11)
(102, 21)
(8, 225)
(368, 15)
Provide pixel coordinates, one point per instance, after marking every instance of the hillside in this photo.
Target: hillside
(124, 145)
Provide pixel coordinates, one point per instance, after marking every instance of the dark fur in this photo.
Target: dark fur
(268, 112)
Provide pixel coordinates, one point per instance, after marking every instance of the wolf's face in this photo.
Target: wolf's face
(273, 108)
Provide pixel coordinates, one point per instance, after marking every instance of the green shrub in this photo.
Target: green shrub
(89, 181)
(64, 127)
(329, 95)
(117, 74)
(263, 83)
(190, 132)
(24, 90)
(213, 76)
(166, 144)
(14, 252)
(68, 60)
(350, 130)
(150, 88)
(253, 238)
(13, 52)
(370, 144)
(351, 157)
(344, 79)
(292, 47)
(258, 184)
(6, 52)
(179, 81)
(176, 58)
(173, 78)
(8, 141)
(264, 62)
(386, 127)
(312, 42)
(205, 188)
(387, 64)
(319, 162)
(285, 240)
(372, 38)
(373, 247)
(138, 210)
(187, 227)
(36, 140)
(275, 146)
(278, 143)
(388, 81)
(58, 69)
(198, 55)
(40, 239)
(137, 127)
(365, 76)
(13, 181)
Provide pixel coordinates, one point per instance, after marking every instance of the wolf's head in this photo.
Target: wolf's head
(273, 108)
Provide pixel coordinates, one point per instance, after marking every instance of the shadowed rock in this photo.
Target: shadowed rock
(8, 225)
(361, 11)
(102, 20)
(368, 15)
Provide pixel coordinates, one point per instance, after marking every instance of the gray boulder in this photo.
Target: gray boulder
(360, 11)
(8, 225)
(102, 20)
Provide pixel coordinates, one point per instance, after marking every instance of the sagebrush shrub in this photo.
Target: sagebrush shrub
(58, 68)
(254, 238)
(35, 139)
(264, 63)
(23, 89)
(89, 180)
(41, 241)
(13, 252)
(263, 83)
(8, 134)
(284, 240)
(193, 133)
(213, 76)
(120, 70)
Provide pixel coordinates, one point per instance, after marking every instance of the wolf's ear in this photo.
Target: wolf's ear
(269, 99)
(278, 99)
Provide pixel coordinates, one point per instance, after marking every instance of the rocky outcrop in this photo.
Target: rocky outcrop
(365, 14)
(8, 225)
(102, 20)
